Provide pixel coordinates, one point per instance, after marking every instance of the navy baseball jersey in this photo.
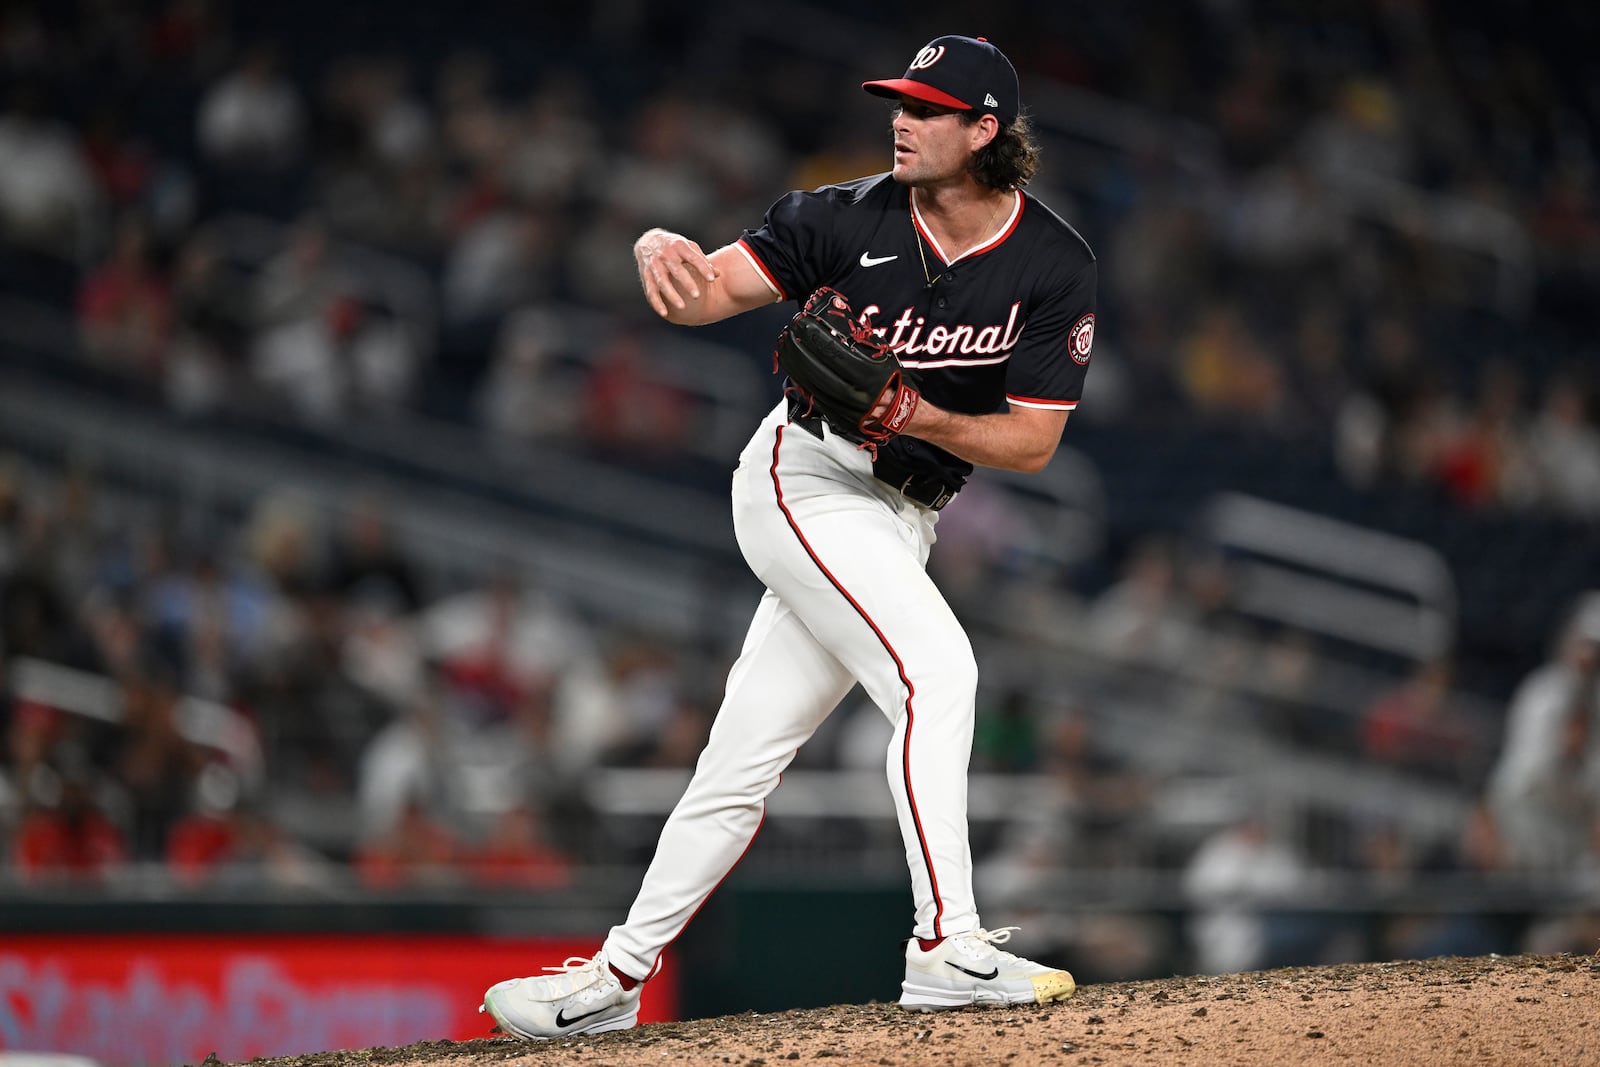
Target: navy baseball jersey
(1010, 321)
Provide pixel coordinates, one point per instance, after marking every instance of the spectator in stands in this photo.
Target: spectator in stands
(629, 410)
(1486, 462)
(470, 117)
(418, 850)
(517, 854)
(125, 306)
(1476, 860)
(1236, 882)
(978, 543)
(498, 262)
(683, 736)
(1288, 672)
(306, 363)
(1085, 816)
(36, 617)
(210, 617)
(297, 282)
(600, 275)
(1006, 734)
(378, 122)
(380, 590)
(254, 118)
(65, 834)
(663, 174)
(379, 160)
(1415, 727)
(1282, 219)
(206, 836)
(367, 567)
(316, 718)
(1392, 427)
(1574, 927)
(1564, 447)
(228, 840)
(655, 720)
(1147, 613)
(59, 796)
(502, 640)
(559, 142)
(1360, 139)
(1113, 794)
(155, 765)
(1545, 786)
(84, 528)
(1225, 371)
(414, 758)
(1565, 223)
(11, 517)
(1319, 371)
(384, 360)
(119, 159)
(348, 357)
(24, 750)
(211, 318)
(48, 199)
(523, 399)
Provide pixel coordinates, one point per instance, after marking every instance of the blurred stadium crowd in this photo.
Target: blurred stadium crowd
(1365, 237)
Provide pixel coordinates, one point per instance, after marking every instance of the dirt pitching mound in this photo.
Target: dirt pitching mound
(1488, 1011)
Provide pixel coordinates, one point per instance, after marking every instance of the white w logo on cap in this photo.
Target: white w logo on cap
(927, 57)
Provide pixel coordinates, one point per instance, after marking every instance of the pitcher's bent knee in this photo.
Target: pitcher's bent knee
(953, 677)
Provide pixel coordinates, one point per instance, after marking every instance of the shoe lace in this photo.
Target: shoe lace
(574, 970)
(986, 940)
(575, 964)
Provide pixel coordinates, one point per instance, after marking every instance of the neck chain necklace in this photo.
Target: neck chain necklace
(922, 256)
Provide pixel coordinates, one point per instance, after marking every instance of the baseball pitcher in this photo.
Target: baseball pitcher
(945, 320)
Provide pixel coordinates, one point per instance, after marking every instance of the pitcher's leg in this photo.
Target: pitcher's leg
(781, 688)
(928, 760)
(850, 565)
(918, 667)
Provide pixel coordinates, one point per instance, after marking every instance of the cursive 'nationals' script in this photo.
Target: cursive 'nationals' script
(909, 335)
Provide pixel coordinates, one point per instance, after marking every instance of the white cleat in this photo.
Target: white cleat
(580, 997)
(968, 969)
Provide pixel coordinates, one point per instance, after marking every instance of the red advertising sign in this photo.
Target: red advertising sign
(173, 999)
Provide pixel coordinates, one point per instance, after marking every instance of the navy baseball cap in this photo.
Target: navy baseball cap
(966, 73)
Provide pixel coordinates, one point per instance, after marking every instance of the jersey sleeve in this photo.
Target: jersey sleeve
(1051, 359)
(792, 249)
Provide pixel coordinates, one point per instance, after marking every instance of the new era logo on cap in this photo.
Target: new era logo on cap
(966, 73)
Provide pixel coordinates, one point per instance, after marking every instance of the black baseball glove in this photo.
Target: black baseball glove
(845, 373)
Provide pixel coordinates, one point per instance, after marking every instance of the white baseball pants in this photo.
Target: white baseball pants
(847, 599)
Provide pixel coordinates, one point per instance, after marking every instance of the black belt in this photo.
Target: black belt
(926, 489)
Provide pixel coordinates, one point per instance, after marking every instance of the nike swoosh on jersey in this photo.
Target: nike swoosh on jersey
(563, 1022)
(991, 976)
(868, 260)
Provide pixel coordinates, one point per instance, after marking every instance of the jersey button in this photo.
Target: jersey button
(941, 303)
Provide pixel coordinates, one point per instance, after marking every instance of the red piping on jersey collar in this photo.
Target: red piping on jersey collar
(988, 246)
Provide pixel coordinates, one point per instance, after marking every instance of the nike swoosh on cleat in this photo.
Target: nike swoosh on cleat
(868, 260)
(980, 976)
(563, 1021)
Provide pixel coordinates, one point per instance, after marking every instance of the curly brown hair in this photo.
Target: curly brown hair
(1007, 162)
